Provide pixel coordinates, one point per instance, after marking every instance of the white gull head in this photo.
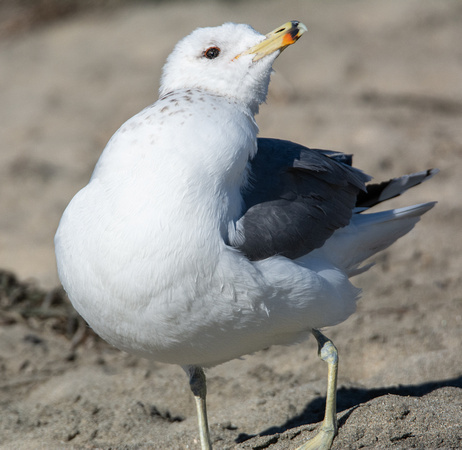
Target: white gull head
(232, 60)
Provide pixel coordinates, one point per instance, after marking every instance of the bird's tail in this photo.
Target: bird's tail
(370, 233)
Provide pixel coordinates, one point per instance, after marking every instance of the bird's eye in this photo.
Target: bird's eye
(212, 52)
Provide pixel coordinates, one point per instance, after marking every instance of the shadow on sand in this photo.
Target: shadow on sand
(349, 399)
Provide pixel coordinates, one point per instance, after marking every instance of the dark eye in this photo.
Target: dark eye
(212, 52)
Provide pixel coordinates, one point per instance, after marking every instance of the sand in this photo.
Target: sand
(379, 79)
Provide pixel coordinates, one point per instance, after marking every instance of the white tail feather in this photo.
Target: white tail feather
(368, 234)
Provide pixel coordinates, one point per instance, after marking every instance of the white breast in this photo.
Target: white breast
(142, 252)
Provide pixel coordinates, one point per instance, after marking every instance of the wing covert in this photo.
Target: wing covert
(297, 197)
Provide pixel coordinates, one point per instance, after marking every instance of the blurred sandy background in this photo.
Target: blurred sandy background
(380, 78)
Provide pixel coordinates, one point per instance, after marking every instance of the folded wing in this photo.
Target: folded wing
(297, 198)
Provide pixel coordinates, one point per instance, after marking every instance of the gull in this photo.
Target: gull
(195, 242)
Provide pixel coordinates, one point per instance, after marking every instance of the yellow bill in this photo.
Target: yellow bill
(278, 39)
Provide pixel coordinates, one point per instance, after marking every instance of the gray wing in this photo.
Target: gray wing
(297, 197)
(379, 192)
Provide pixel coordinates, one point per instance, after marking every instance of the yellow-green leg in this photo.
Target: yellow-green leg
(198, 385)
(328, 353)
